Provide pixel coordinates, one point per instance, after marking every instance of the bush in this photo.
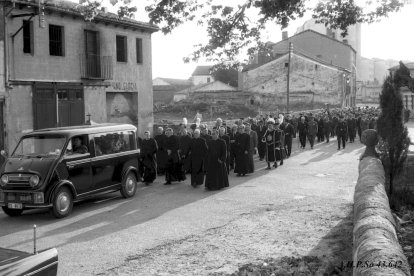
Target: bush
(394, 143)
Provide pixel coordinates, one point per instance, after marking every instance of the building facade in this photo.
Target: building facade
(202, 75)
(312, 82)
(64, 70)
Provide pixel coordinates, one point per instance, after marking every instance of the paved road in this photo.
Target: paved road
(104, 232)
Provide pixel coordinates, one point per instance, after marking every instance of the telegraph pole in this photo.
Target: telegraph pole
(288, 76)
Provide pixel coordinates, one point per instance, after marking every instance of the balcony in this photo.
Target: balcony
(96, 67)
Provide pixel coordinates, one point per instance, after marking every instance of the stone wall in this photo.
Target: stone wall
(375, 242)
(310, 81)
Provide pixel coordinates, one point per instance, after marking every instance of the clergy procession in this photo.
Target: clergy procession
(208, 156)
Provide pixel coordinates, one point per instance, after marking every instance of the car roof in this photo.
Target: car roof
(83, 129)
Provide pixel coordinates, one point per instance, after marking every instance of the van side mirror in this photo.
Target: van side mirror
(3, 153)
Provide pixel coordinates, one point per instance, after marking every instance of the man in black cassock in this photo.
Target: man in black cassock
(289, 133)
(226, 138)
(185, 140)
(197, 152)
(261, 129)
(252, 147)
(232, 134)
(174, 170)
(242, 152)
(216, 172)
(162, 155)
(148, 149)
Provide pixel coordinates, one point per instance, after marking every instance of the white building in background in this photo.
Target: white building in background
(202, 75)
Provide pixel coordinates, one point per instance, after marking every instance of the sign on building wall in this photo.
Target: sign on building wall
(122, 107)
(124, 86)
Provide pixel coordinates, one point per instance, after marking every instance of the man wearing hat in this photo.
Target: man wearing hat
(341, 132)
(312, 131)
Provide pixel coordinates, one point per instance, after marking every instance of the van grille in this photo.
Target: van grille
(20, 180)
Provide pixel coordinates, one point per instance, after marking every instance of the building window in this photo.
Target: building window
(28, 37)
(208, 79)
(121, 48)
(139, 50)
(56, 40)
(412, 102)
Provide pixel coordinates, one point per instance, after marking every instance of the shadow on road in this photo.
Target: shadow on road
(335, 249)
(109, 213)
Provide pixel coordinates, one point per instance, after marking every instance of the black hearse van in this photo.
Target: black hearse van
(57, 166)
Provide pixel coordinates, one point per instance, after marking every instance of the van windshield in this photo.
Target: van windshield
(40, 146)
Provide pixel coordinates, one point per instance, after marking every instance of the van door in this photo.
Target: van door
(105, 162)
(79, 169)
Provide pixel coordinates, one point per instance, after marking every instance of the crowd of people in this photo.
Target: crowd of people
(209, 155)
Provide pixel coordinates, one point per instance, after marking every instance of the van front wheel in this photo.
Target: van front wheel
(62, 203)
(129, 185)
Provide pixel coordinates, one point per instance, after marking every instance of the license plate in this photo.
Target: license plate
(15, 206)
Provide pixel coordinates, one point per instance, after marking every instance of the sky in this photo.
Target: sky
(391, 38)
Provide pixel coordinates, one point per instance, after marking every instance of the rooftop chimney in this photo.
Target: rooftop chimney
(284, 35)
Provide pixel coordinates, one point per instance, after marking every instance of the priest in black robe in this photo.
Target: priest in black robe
(174, 170)
(261, 145)
(216, 172)
(162, 155)
(225, 138)
(242, 152)
(185, 140)
(197, 153)
(148, 160)
(252, 147)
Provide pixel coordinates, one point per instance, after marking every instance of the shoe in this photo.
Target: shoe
(311, 147)
(244, 174)
(281, 163)
(268, 168)
(275, 165)
(167, 183)
(339, 148)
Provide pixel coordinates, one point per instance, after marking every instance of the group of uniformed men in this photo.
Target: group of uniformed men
(210, 154)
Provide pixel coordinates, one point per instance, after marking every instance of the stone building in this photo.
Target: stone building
(58, 69)
(202, 75)
(320, 50)
(313, 82)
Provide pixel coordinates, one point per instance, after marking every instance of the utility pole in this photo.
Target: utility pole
(288, 76)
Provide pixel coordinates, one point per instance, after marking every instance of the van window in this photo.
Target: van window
(113, 142)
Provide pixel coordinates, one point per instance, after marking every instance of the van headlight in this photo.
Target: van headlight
(4, 180)
(34, 180)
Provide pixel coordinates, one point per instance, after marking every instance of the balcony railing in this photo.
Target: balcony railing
(96, 67)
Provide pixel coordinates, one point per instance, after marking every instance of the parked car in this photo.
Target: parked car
(16, 263)
(53, 168)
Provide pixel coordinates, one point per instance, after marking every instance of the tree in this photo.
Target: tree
(226, 75)
(391, 129)
(232, 30)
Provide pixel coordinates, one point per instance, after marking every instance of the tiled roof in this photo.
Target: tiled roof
(73, 8)
(178, 82)
(317, 33)
(203, 70)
